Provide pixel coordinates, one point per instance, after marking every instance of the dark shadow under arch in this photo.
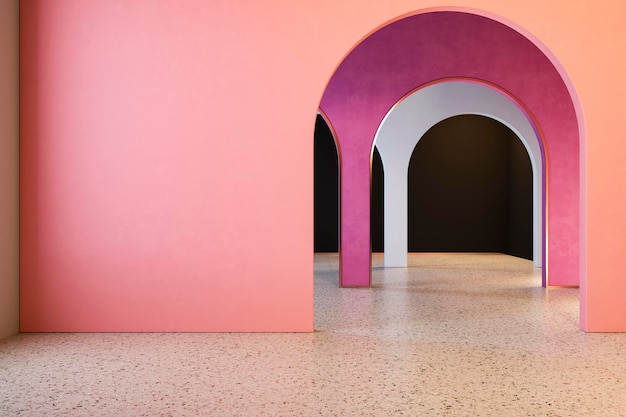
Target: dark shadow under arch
(470, 189)
(326, 189)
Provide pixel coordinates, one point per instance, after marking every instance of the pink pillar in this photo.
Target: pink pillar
(355, 247)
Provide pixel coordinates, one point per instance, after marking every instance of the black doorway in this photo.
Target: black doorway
(470, 189)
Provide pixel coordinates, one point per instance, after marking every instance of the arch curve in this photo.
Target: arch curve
(406, 123)
(426, 47)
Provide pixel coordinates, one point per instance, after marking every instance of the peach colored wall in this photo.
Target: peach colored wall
(155, 195)
(155, 139)
(9, 182)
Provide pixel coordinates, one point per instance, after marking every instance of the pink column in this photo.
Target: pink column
(355, 247)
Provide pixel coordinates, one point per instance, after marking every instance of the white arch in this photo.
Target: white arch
(410, 119)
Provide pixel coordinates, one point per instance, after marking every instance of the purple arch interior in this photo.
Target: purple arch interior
(426, 47)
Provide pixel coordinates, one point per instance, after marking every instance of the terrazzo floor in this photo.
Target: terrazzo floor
(452, 335)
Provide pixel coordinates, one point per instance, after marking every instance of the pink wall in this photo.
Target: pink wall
(153, 155)
(9, 171)
(420, 49)
(148, 203)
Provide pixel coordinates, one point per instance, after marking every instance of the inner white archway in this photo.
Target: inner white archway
(413, 116)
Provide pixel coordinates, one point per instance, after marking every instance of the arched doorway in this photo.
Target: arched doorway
(470, 189)
(326, 189)
(417, 112)
(420, 49)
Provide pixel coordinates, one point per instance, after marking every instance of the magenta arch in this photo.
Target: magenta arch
(433, 45)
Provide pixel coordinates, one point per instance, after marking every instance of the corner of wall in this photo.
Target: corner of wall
(9, 168)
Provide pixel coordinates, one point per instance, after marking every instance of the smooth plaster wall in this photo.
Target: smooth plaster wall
(239, 62)
(146, 186)
(9, 171)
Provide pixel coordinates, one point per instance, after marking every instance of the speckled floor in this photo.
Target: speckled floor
(452, 335)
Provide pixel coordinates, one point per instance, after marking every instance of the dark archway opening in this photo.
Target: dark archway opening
(326, 189)
(470, 189)
(377, 203)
